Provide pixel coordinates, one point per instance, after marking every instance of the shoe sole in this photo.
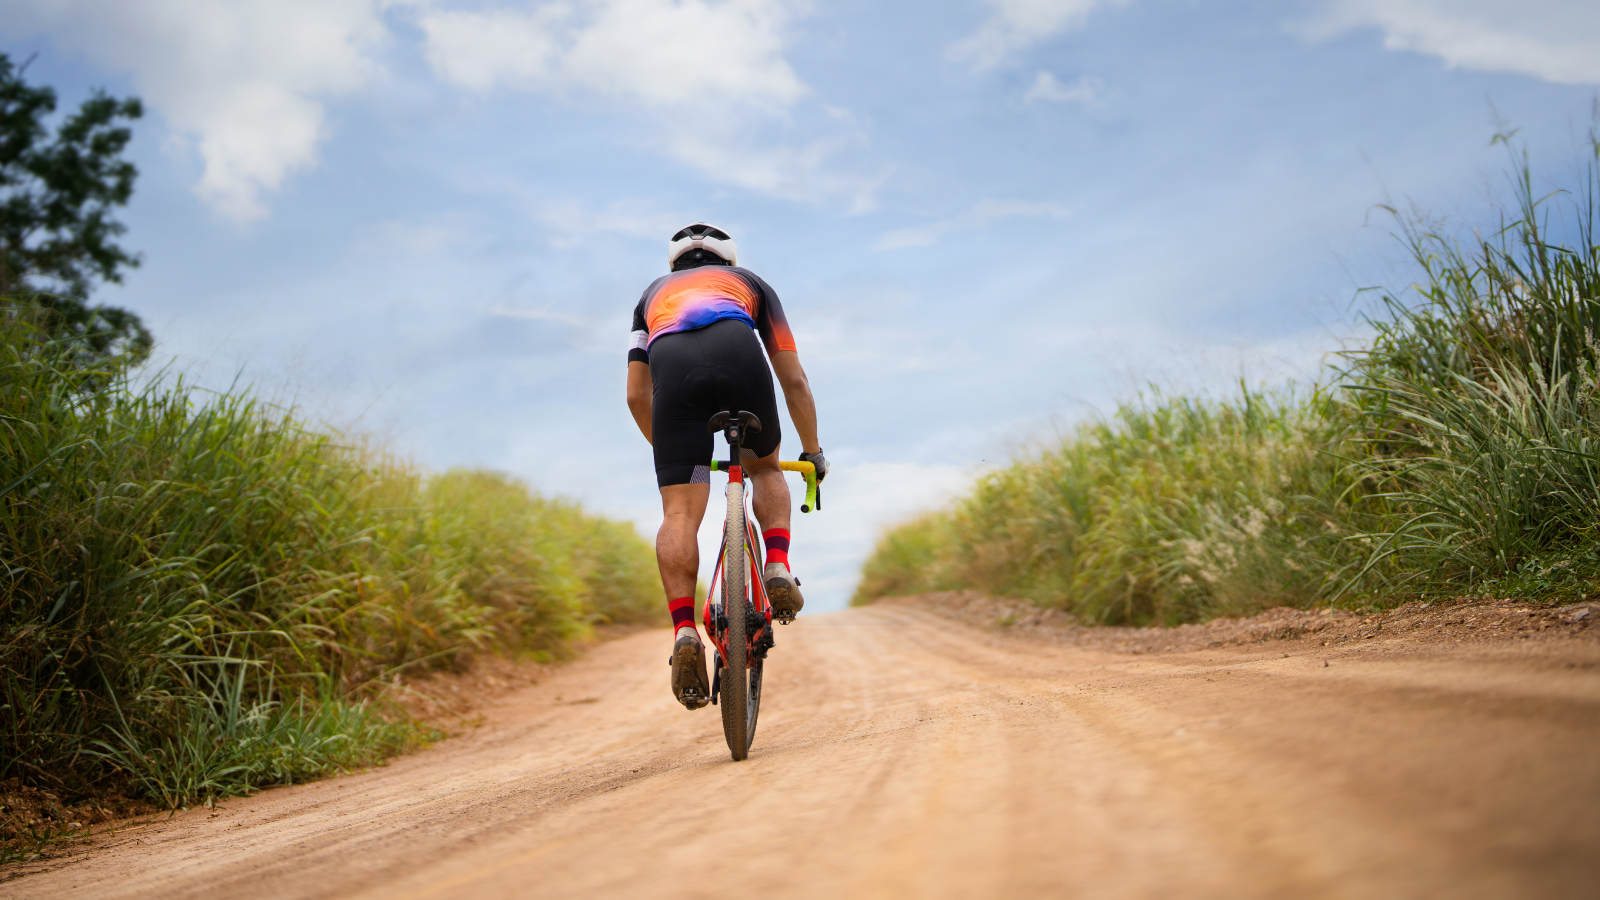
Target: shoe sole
(689, 676)
(785, 603)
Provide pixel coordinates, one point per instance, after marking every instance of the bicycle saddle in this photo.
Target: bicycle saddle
(749, 421)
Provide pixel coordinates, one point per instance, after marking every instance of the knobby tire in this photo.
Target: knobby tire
(735, 700)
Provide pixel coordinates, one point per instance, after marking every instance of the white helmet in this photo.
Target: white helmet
(701, 236)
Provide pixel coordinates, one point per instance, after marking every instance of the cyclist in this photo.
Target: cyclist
(694, 352)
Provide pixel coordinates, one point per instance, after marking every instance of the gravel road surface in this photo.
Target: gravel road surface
(901, 754)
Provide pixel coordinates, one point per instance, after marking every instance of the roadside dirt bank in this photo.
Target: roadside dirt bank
(904, 753)
(1465, 620)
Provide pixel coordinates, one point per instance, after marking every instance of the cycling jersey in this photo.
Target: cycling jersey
(695, 298)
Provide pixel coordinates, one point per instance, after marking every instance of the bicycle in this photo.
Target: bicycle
(740, 642)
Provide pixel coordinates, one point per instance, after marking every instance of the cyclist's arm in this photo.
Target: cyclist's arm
(797, 394)
(639, 396)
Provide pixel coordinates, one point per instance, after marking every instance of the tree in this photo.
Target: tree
(57, 234)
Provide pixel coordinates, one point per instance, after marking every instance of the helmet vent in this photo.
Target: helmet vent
(700, 231)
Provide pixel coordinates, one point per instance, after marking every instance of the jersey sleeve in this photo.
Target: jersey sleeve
(639, 340)
(771, 323)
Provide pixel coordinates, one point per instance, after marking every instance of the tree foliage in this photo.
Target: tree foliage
(58, 193)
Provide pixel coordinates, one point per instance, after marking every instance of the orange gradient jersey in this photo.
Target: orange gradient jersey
(695, 298)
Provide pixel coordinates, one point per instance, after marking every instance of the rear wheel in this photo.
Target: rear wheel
(737, 714)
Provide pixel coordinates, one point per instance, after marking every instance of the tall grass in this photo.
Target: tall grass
(1479, 405)
(196, 591)
(1173, 510)
(1461, 449)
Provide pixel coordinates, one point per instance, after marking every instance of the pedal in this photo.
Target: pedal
(783, 618)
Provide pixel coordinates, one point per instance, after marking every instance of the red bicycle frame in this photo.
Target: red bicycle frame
(755, 585)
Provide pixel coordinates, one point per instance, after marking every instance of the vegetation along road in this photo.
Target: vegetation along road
(907, 754)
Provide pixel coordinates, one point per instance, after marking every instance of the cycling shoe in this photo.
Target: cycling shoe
(783, 589)
(689, 682)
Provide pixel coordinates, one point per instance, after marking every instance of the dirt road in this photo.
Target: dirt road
(903, 755)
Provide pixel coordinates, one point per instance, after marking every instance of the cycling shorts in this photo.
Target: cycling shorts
(696, 374)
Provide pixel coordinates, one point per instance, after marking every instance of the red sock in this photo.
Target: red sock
(777, 545)
(682, 612)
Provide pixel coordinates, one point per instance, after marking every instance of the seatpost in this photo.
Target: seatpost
(735, 436)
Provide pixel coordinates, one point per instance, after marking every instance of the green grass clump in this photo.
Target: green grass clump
(1459, 452)
(1176, 509)
(1479, 406)
(196, 593)
(225, 736)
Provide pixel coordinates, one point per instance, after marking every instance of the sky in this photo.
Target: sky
(429, 221)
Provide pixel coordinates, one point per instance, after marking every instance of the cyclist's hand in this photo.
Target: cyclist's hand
(819, 461)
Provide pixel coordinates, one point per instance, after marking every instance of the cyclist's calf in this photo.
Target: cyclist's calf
(770, 496)
(683, 506)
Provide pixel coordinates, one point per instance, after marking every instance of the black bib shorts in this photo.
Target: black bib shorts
(696, 374)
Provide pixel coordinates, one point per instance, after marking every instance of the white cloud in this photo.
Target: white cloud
(711, 74)
(982, 214)
(663, 53)
(1017, 24)
(478, 50)
(1556, 40)
(241, 81)
(1046, 87)
(803, 171)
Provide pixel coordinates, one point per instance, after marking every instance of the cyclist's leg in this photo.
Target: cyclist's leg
(678, 555)
(771, 503)
(682, 449)
(683, 507)
(769, 492)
